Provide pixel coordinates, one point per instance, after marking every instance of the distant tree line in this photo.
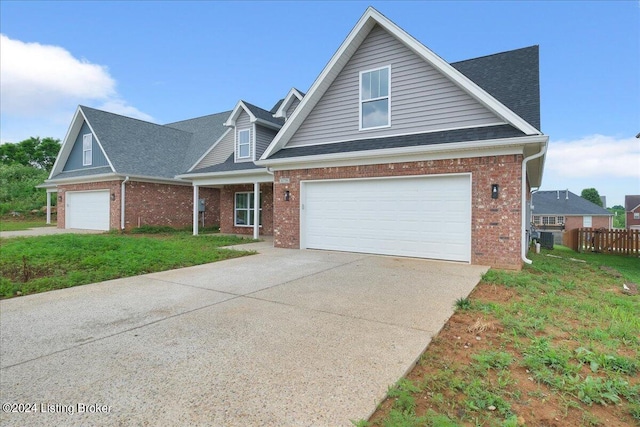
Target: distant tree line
(24, 165)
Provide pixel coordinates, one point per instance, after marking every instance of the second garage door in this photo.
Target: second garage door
(425, 216)
(88, 210)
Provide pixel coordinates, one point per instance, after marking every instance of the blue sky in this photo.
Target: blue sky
(168, 61)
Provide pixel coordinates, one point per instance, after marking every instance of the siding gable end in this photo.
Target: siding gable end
(243, 122)
(75, 159)
(220, 152)
(422, 98)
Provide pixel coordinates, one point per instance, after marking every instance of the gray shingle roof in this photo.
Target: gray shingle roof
(511, 77)
(228, 165)
(205, 130)
(458, 135)
(631, 202)
(557, 203)
(83, 172)
(263, 114)
(136, 147)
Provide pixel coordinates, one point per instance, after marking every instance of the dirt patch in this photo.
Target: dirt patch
(467, 334)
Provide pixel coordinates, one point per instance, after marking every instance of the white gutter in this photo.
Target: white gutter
(122, 204)
(524, 243)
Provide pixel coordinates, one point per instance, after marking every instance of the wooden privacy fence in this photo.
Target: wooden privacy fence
(624, 242)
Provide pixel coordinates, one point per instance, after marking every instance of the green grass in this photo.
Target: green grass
(17, 225)
(567, 324)
(37, 264)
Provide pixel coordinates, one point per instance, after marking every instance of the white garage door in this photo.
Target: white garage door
(87, 210)
(425, 217)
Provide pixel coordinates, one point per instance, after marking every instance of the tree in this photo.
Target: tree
(592, 195)
(35, 152)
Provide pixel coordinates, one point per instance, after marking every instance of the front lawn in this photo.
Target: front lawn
(37, 264)
(557, 344)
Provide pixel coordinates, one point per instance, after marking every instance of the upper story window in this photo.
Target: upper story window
(375, 105)
(636, 215)
(87, 149)
(244, 144)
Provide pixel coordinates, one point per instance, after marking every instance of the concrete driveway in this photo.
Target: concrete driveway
(282, 338)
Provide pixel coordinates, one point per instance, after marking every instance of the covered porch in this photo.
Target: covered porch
(246, 201)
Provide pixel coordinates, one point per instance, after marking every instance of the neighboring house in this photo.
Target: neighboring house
(391, 151)
(561, 210)
(632, 208)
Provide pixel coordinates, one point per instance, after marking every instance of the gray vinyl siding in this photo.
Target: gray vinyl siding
(292, 107)
(264, 136)
(243, 122)
(74, 162)
(220, 152)
(422, 99)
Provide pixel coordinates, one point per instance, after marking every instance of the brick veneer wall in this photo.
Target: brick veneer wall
(571, 222)
(495, 223)
(163, 204)
(112, 186)
(630, 222)
(149, 203)
(227, 209)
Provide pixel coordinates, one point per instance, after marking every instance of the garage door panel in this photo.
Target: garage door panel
(87, 210)
(428, 217)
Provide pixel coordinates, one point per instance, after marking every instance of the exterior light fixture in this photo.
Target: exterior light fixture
(494, 191)
(113, 196)
(287, 195)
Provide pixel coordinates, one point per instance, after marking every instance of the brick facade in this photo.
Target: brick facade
(571, 222)
(148, 203)
(495, 223)
(227, 209)
(631, 223)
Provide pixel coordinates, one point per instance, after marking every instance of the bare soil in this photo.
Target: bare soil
(466, 334)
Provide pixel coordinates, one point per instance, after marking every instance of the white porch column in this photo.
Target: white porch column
(256, 209)
(48, 207)
(195, 209)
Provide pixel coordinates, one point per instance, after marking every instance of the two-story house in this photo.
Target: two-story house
(391, 151)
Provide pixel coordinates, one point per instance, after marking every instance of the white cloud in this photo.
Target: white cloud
(595, 156)
(41, 86)
(119, 106)
(608, 164)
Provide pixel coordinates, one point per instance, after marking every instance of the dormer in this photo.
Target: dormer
(254, 128)
(289, 104)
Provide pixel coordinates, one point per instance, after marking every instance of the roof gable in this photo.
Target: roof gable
(349, 47)
(512, 77)
(78, 123)
(564, 202)
(256, 115)
(293, 95)
(206, 132)
(631, 202)
(136, 147)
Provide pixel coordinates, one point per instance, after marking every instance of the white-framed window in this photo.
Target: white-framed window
(375, 102)
(87, 149)
(636, 215)
(244, 144)
(536, 219)
(244, 210)
(587, 221)
(561, 220)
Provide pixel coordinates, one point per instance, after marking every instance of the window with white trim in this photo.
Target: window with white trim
(244, 144)
(87, 149)
(548, 220)
(244, 210)
(375, 108)
(587, 221)
(636, 215)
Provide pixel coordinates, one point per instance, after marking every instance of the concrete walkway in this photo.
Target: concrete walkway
(282, 338)
(45, 231)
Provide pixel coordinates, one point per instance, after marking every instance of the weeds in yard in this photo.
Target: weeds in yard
(566, 340)
(37, 264)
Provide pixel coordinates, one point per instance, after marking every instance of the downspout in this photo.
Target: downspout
(524, 243)
(122, 204)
